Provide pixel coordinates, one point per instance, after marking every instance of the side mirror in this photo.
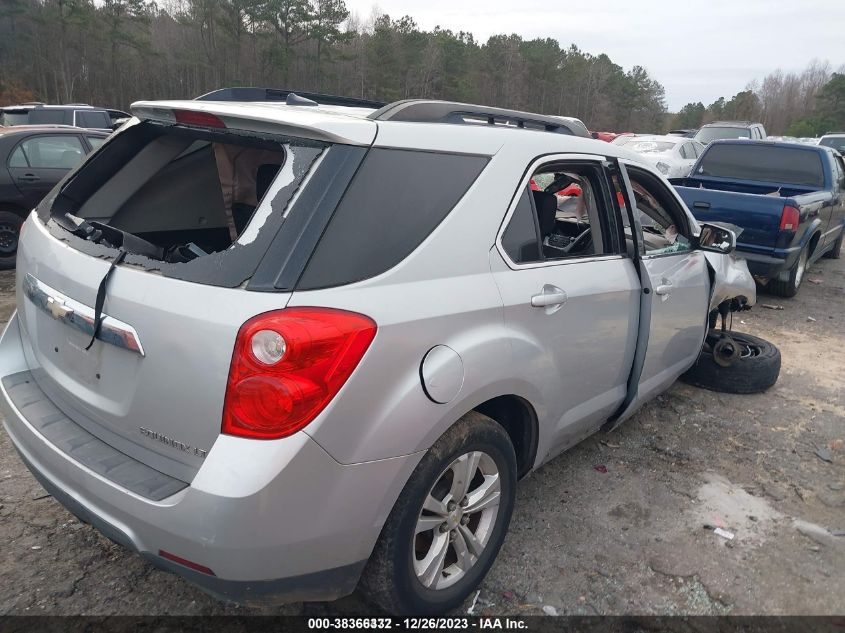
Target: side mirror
(716, 238)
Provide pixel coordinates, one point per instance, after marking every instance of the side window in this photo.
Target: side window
(18, 159)
(95, 141)
(92, 118)
(664, 225)
(686, 151)
(698, 148)
(520, 239)
(53, 152)
(565, 215)
(840, 174)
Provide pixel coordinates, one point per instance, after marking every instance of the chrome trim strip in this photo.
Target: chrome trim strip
(80, 316)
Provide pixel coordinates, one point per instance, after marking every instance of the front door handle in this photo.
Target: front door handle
(29, 178)
(663, 290)
(551, 297)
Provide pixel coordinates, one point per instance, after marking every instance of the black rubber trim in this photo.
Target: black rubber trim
(288, 254)
(85, 448)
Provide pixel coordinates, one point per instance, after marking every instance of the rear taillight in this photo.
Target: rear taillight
(789, 218)
(204, 119)
(288, 365)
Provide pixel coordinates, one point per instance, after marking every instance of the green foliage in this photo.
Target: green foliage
(811, 126)
(690, 116)
(113, 52)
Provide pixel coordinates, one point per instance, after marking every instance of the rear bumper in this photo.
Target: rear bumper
(769, 265)
(276, 521)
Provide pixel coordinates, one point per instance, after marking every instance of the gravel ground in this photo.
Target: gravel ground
(582, 541)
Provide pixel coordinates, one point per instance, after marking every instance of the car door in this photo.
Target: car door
(40, 161)
(837, 217)
(573, 315)
(675, 280)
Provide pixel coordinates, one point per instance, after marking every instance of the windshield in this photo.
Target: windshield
(651, 147)
(766, 163)
(836, 142)
(707, 134)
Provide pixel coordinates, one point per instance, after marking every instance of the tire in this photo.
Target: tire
(834, 253)
(754, 371)
(390, 579)
(789, 288)
(10, 230)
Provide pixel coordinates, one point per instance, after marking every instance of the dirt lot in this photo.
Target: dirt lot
(628, 541)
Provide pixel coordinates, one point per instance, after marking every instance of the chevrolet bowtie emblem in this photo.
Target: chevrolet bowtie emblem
(58, 308)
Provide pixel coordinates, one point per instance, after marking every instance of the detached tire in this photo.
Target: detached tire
(10, 230)
(755, 370)
(449, 522)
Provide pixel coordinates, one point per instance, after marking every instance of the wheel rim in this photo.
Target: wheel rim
(8, 238)
(457, 520)
(802, 264)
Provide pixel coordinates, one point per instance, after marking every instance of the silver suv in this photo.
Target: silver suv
(288, 349)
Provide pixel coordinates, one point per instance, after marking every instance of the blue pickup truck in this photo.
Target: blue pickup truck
(787, 199)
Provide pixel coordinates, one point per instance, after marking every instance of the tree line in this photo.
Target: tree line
(804, 104)
(113, 52)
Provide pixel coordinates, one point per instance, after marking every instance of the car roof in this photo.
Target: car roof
(53, 129)
(768, 142)
(351, 125)
(731, 124)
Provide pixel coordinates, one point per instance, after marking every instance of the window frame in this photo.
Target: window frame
(612, 219)
(690, 225)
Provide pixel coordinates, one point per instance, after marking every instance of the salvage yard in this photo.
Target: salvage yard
(614, 526)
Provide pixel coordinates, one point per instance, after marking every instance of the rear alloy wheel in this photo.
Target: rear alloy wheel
(737, 363)
(447, 526)
(10, 229)
(789, 288)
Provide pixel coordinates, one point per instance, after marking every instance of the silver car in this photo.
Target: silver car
(285, 350)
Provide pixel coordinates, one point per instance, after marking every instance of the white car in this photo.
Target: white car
(673, 156)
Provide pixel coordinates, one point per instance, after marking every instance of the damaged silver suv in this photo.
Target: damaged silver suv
(287, 349)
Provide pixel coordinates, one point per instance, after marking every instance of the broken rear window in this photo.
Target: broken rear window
(190, 203)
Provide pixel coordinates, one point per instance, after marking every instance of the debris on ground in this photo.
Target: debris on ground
(509, 595)
(471, 610)
(813, 280)
(771, 306)
(811, 319)
(600, 468)
(549, 610)
(724, 533)
(824, 455)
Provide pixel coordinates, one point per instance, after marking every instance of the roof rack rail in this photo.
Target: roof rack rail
(277, 94)
(433, 111)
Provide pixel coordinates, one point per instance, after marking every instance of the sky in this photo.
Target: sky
(699, 51)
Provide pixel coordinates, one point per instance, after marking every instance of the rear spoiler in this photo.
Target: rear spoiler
(279, 95)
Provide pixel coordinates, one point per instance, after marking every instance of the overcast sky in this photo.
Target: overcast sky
(699, 51)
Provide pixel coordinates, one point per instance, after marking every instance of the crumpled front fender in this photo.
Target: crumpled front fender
(731, 278)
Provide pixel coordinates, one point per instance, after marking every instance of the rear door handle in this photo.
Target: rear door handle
(29, 178)
(551, 297)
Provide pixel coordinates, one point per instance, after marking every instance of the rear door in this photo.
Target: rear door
(574, 314)
(40, 161)
(676, 283)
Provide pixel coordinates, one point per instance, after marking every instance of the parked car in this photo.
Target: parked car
(788, 199)
(607, 137)
(347, 385)
(673, 156)
(836, 140)
(686, 133)
(729, 130)
(73, 114)
(35, 158)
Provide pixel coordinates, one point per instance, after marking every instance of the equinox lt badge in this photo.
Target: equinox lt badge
(185, 448)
